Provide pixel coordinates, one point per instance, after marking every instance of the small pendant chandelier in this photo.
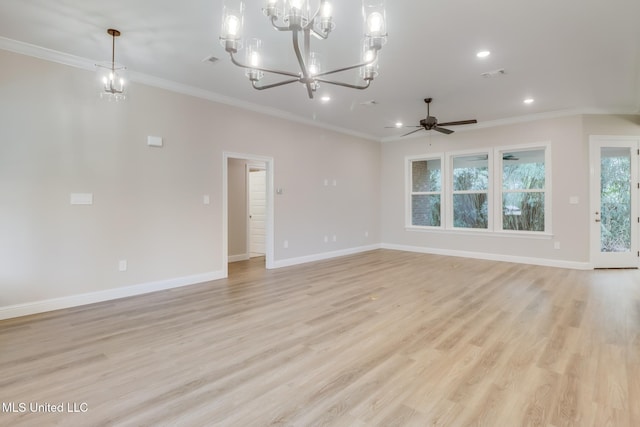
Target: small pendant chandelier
(302, 21)
(111, 74)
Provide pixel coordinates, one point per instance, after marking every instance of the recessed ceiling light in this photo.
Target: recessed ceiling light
(325, 98)
(483, 54)
(398, 124)
(528, 101)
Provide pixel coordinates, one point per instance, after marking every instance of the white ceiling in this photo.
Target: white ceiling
(570, 55)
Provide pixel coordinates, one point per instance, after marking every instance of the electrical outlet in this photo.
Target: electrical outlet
(285, 244)
(556, 245)
(122, 265)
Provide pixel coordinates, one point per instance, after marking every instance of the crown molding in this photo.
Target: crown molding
(153, 81)
(51, 55)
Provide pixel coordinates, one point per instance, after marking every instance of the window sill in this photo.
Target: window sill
(487, 233)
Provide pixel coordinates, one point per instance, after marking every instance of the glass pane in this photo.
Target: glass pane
(470, 172)
(426, 175)
(523, 211)
(470, 210)
(615, 198)
(425, 210)
(523, 170)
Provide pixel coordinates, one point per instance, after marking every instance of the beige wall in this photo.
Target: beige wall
(58, 138)
(568, 137)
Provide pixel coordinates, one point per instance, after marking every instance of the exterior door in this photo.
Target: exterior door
(614, 201)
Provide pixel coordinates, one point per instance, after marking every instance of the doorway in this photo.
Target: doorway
(264, 247)
(614, 217)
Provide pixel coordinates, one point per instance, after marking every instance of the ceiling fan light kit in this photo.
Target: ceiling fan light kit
(298, 18)
(111, 74)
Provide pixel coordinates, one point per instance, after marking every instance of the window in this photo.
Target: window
(470, 191)
(426, 192)
(501, 190)
(523, 190)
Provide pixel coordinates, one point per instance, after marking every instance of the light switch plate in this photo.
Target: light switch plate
(81, 198)
(154, 141)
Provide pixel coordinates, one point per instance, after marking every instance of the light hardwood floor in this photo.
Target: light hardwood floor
(382, 338)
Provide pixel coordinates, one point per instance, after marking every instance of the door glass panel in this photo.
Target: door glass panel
(615, 199)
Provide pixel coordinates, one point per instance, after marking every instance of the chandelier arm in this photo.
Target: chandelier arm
(311, 20)
(269, 86)
(319, 35)
(112, 89)
(339, 70)
(305, 74)
(276, 26)
(307, 45)
(266, 70)
(345, 84)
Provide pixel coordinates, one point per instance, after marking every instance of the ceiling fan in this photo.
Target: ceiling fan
(505, 156)
(430, 122)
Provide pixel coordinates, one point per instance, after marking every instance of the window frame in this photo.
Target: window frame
(494, 192)
(409, 193)
(499, 152)
(451, 192)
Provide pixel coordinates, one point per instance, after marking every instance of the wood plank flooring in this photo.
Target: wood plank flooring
(384, 338)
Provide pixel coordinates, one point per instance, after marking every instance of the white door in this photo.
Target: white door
(614, 201)
(257, 212)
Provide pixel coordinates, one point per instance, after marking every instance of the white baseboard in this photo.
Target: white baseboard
(42, 306)
(240, 257)
(575, 265)
(322, 256)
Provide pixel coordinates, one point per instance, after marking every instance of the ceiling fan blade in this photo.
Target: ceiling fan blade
(461, 122)
(442, 130)
(396, 127)
(413, 131)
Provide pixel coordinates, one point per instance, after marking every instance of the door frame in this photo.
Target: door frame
(269, 220)
(597, 257)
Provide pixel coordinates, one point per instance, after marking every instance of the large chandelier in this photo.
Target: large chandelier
(296, 17)
(111, 74)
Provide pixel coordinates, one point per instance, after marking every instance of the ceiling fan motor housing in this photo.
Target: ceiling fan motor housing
(429, 122)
